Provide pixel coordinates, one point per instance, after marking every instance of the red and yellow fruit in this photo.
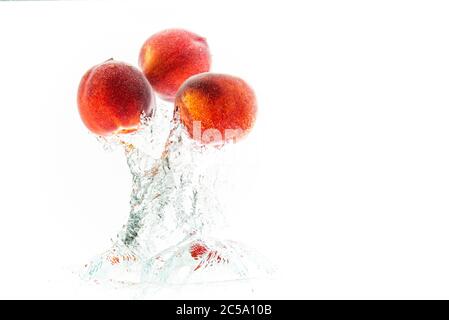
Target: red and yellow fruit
(216, 108)
(170, 57)
(112, 97)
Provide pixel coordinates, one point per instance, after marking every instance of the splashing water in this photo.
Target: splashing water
(177, 203)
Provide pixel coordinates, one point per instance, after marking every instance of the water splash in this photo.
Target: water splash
(177, 203)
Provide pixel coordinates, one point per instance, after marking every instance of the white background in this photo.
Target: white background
(351, 144)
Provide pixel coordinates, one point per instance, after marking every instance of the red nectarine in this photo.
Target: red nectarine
(171, 56)
(216, 107)
(112, 96)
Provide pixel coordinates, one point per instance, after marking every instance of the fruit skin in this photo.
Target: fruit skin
(170, 57)
(112, 96)
(223, 105)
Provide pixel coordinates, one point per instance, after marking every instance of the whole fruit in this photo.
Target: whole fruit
(216, 108)
(112, 96)
(170, 57)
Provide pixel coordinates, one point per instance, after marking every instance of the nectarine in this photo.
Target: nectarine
(216, 108)
(112, 96)
(171, 56)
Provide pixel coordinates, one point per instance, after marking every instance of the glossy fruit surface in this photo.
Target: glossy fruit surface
(171, 56)
(112, 97)
(216, 108)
